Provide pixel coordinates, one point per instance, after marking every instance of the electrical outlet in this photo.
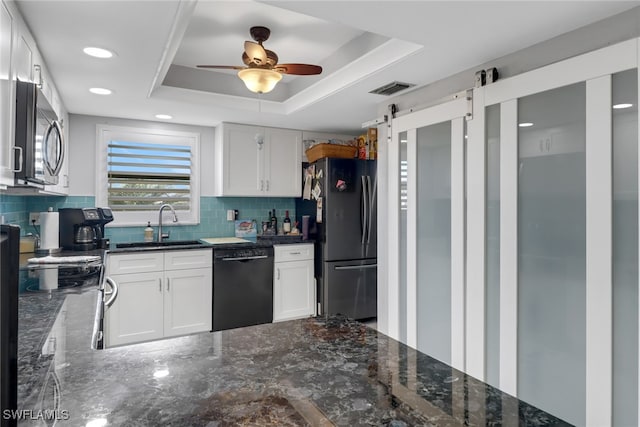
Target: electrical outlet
(34, 216)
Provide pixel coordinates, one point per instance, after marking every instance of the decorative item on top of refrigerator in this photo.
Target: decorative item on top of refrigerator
(368, 145)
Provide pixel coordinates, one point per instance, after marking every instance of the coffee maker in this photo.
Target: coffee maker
(82, 229)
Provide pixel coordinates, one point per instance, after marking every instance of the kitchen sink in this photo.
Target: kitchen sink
(165, 243)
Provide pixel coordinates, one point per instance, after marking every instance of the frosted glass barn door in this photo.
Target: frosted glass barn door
(433, 179)
(432, 310)
(568, 240)
(552, 251)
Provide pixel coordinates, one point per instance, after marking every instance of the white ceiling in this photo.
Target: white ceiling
(360, 44)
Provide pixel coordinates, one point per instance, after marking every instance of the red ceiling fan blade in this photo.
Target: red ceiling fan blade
(228, 67)
(255, 52)
(298, 69)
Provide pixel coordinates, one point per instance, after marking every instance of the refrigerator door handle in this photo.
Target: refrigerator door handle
(370, 201)
(355, 267)
(364, 210)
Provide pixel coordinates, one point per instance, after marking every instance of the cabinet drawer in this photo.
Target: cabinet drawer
(293, 252)
(135, 263)
(194, 258)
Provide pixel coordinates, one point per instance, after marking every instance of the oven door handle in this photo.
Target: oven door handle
(113, 292)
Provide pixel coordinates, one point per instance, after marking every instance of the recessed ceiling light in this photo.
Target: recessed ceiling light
(100, 91)
(163, 116)
(621, 106)
(97, 52)
(525, 124)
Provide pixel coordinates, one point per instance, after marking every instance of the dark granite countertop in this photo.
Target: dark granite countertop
(261, 242)
(300, 372)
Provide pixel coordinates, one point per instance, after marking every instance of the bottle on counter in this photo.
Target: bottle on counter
(274, 221)
(148, 233)
(286, 224)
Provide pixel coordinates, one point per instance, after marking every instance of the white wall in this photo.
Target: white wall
(82, 150)
(600, 34)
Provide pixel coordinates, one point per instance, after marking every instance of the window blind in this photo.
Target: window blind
(403, 184)
(142, 176)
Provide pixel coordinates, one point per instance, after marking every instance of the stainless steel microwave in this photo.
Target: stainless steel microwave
(39, 140)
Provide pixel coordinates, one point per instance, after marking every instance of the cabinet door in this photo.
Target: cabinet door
(293, 290)
(23, 59)
(242, 160)
(7, 98)
(136, 314)
(188, 301)
(283, 163)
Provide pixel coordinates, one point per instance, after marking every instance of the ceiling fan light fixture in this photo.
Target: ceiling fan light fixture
(259, 80)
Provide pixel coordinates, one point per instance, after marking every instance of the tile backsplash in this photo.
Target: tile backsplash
(213, 214)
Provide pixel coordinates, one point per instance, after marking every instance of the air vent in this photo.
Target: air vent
(391, 88)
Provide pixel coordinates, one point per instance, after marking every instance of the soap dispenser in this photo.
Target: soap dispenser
(148, 233)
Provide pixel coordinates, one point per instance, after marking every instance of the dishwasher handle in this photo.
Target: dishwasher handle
(355, 267)
(246, 258)
(113, 292)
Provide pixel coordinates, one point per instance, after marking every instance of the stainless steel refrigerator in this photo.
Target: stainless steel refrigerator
(345, 235)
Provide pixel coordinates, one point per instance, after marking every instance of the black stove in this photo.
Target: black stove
(59, 277)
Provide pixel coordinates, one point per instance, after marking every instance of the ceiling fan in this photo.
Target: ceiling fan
(262, 72)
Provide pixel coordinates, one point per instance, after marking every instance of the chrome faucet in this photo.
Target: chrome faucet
(175, 219)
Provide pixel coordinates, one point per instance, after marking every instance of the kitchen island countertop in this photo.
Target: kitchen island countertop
(300, 372)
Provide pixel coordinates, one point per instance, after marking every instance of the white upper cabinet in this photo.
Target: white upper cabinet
(282, 163)
(20, 59)
(257, 161)
(23, 58)
(7, 105)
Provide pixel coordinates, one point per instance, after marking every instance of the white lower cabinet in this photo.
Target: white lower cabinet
(136, 314)
(187, 301)
(169, 297)
(294, 290)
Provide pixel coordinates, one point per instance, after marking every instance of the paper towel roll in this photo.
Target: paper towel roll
(49, 223)
(48, 278)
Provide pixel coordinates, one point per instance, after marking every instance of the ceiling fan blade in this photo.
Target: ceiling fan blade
(255, 52)
(228, 67)
(298, 69)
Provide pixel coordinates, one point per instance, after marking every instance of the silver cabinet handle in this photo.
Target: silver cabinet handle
(168, 285)
(159, 285)
(267, 185)
(295, 253)
(38, 80)
(261, 184)
(113, 292)
(20, 160)
(355, 267)
(278, 278)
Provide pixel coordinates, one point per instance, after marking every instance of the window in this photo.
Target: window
(141, 169)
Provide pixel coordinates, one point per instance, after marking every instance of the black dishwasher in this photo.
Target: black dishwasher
(242, 287)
